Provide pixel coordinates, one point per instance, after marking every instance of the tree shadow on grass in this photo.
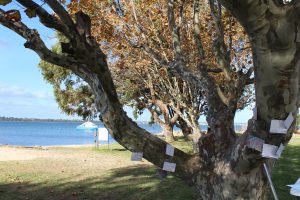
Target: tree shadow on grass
(118, 149)
(132, 183)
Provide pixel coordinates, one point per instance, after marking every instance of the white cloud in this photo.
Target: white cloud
(31, 110)
(16, 91)
(50, 41)
(16, 101)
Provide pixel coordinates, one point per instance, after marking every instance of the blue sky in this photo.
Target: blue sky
(23, 92)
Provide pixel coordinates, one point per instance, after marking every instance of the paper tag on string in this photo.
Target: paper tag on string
(170, 150)
(277, 126)
(136, 156)
(269, 151)
(170, 167)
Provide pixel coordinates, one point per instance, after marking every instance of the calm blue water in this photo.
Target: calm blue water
(50, 133)
(54, 133)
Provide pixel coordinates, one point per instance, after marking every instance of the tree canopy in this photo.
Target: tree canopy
(155, 88)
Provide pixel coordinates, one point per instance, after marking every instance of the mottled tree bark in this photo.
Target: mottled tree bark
(167, 123)
(189, 124)
(186, 130)
(273, 35)
(168, 132)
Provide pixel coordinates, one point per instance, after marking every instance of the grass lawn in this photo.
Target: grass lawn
(85, 173)
(287, 169)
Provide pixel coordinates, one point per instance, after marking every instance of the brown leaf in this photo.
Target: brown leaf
(13, 15)
(30, 13)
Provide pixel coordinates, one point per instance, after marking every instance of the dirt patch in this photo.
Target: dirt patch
(17, 153)
(87, 159)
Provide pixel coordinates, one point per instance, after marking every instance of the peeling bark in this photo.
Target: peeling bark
(186, 130)
(168, 132)
(167, 124)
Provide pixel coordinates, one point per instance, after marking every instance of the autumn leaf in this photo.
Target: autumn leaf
(4, 2)
(30, 13)
(13, 15)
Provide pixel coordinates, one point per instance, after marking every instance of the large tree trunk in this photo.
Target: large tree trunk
(237, 173)
(195, 136)
(219, 181)
(223, 175)
(190, 127)
(167, 124)
(186, 130)
(191, 131)
(168, 132)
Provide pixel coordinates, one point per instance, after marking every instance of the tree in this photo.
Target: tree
(154, 92)
(224, 159)
(121, 27)
(139, 33)
(72, 94)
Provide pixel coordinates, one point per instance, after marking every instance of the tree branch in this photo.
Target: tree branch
(175, 117)
(220, 48)
(48, 20)
(155, 116)
(61, 12)
(174, 30)
(177, 68)
(197, 34)
(34, 42)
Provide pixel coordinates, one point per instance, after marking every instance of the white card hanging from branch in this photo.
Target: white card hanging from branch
(281, 126)
(136, 156)
(272, 151)
(295, 188)
(170, 167)
(170, 150)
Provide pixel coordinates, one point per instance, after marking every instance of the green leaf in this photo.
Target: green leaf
(4, 2)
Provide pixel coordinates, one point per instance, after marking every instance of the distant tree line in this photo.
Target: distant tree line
(14, 119)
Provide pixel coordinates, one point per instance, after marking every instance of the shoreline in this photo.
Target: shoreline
(176, 134)
(50, 146)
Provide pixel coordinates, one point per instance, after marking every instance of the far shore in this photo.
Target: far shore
(51, 146)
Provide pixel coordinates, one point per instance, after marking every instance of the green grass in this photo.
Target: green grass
(108, 174)
(287, 169)
(130, 183)
(63, 179)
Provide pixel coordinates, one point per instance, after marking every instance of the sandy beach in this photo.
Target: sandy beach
(9, 153)
(19, 153)
(15, 153)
